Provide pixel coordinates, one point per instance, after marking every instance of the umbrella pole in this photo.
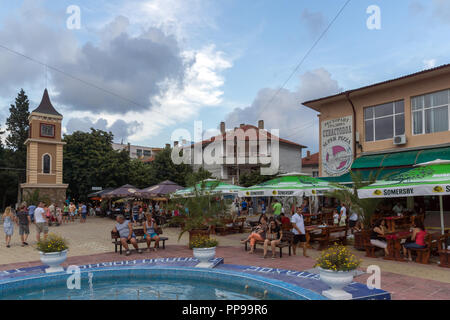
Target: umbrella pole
(442, 213)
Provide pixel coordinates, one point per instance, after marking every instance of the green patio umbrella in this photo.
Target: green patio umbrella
(288, 185)
(427, 179)
(220, 188)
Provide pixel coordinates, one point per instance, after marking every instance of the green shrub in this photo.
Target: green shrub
(53, 243)
(203, 242)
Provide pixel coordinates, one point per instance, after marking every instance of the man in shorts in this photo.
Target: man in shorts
(24, 221)
(125, 230)
(41, 221)
(299, 231)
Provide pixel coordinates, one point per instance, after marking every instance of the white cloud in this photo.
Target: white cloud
(429, 63)
(202, 88)
(285, 112)
(142, 55)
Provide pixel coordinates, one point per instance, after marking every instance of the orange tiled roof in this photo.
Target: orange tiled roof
(244, 129)
(312, 160)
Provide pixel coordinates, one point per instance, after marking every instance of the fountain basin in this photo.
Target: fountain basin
(140, 282)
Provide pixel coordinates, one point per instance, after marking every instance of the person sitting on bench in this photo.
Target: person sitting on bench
(418, 236)
(123, 227)
(150, 227)
(259, 234)
(273, 237)
(378, 230)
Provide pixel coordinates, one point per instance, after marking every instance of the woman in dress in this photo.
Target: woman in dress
(8, 225)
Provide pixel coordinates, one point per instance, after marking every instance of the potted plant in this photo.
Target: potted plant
(337, 267)
(204, 211)
(53, 252)
(365, 208)
(204, 248)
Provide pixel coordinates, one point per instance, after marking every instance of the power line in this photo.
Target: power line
(306, 55)
(47, 66)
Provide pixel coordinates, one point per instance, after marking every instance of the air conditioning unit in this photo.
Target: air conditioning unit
(399, 140)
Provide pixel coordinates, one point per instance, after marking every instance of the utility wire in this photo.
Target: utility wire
(306, 56)
(47, 66)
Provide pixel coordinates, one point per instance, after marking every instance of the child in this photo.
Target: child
(335, 217)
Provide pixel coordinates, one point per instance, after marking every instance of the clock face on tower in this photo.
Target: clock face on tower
(47, 130)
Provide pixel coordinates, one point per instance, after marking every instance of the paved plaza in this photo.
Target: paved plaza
(91, 243)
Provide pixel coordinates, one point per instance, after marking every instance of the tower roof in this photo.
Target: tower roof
(46, 106)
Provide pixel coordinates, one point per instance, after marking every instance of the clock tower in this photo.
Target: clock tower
(45, 153)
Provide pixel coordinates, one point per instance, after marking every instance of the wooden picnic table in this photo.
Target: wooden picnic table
(393, 220)
(393, 240)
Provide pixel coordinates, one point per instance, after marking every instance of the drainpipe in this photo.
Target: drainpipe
(347, 95)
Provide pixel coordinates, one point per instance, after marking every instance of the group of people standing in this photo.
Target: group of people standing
(42, 216)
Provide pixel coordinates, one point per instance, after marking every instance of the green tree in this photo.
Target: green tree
(253, 178)
(18, 127)
(141, 174)
(90, 160)
(195, 177)
(163, 168)
(8, 177)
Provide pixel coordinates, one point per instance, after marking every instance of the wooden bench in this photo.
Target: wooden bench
(286, 241)
(230, 226)
(423, 255)
(444, 252)
(330, 235)
(368, 246)
(139, 233)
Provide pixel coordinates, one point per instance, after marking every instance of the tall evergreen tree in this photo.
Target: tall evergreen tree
(17, 126)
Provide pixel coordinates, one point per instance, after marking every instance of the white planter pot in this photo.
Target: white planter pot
(337, 280)
(53, 260)
(204, 254)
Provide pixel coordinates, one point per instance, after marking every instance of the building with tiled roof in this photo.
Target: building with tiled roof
(237, 160)
(310, 164)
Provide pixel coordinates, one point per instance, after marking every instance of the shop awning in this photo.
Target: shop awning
(385, 172)
(391, 163)
(433, 154)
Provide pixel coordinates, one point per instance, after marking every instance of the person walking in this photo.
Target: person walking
(40, 221)
(299, 231)
(58, 215)
(31, 209)
(83, 212)
(23, 221)
(8, 225)
(65, 213)
(72, 212)
(343, 215)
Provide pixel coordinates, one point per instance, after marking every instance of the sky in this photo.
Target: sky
(144, 68)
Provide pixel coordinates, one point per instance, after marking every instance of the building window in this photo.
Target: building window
(315, 173)
(139, 152)
(384, 121)
(430, 112)
(47, 130)
(147, 153)
(46, 162)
